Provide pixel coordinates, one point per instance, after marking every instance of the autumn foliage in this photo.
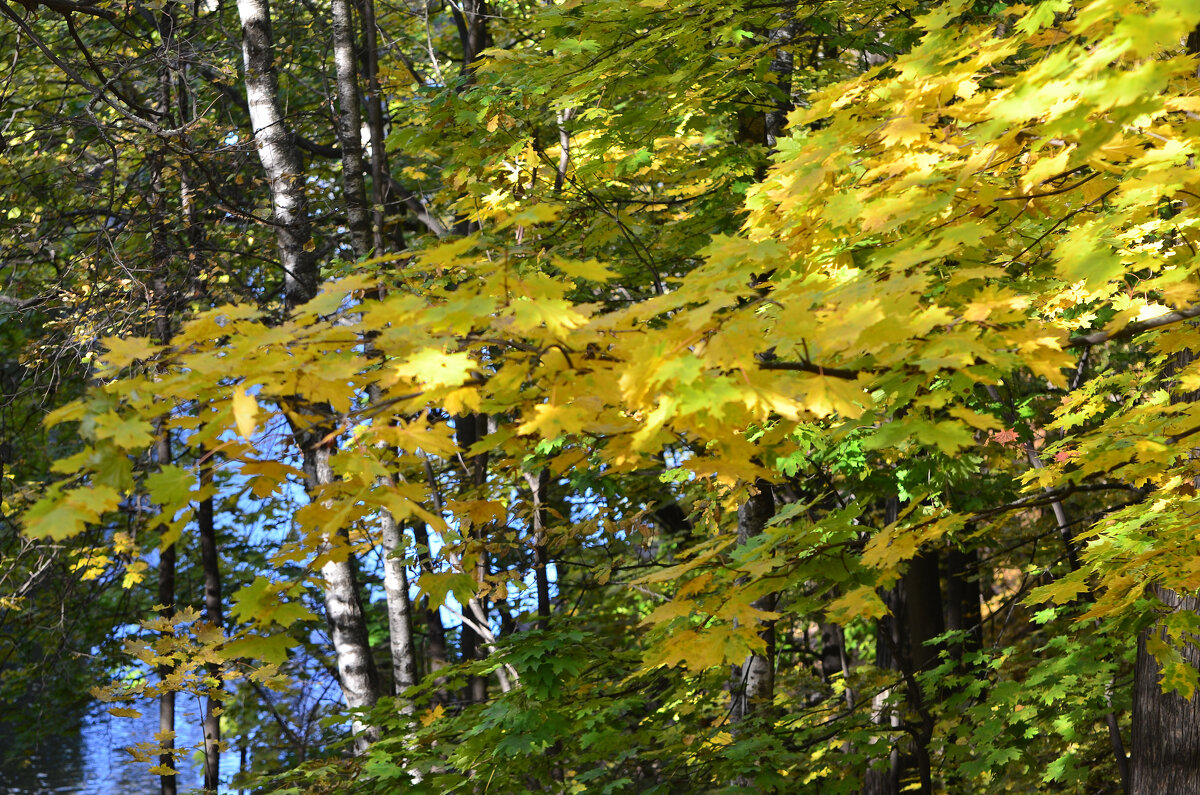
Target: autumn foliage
(767, 399)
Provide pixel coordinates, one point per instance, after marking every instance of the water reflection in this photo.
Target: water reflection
(93, 761)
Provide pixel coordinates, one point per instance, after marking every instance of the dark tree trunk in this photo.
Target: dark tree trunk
(470, 17)
(1165, 749)
(1165, 754)
(782, 66)
(470, 428)
(539, 487)
(832, 651)
(166, 597)
(963, 601)
(211, 563)
(381, 185)
(923, 609)
(903, 643)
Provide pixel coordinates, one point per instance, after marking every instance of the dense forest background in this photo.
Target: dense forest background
(604, 396)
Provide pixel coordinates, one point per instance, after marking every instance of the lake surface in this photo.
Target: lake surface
(93, 762)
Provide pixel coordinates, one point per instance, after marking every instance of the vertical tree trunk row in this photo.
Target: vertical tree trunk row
(281, 163)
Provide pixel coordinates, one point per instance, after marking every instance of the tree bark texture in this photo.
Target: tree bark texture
(1165, 748)
(470, 17)
(1165, 754)
(395, 584)
(782, 66)
(278, 155)
(381, 183)
(281, 163)
(349, 127)
(470, 428)
(343, 609)
(210, 561)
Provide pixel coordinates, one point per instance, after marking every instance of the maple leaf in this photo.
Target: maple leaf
(1004, 438)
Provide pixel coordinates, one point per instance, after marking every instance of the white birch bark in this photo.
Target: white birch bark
(278, 154)
(281, 163)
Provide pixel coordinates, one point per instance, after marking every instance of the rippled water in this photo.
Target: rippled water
(93, 761)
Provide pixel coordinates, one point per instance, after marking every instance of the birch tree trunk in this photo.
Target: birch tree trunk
(349, 124)
(343, 607)
(395, 584)
(281, 163)
(278, 155)
(395, 575)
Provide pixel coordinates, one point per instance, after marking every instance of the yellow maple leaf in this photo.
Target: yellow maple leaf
(245, 412)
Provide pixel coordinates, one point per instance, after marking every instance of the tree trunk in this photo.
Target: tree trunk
(166, 598)
(395, 584)
(281, 163)
(343, 607)
(278, 155)
(431, 617)
(923, 609)
(752, 689)
(1165, 748)
(380, 174)
(782, 67)
(963, 603)
(163, 303)
(470, 17)
(539, 487)
(211, 563)
(754, 680)
(349, 126)
(1165, 754)
(889, 642)
(470, 428)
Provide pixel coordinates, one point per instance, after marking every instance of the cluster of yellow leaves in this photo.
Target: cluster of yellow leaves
(923, 233)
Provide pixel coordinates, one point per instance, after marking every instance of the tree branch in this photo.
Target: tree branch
(1133, 329)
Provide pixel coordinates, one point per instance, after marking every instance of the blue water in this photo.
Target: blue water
(94, 762)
